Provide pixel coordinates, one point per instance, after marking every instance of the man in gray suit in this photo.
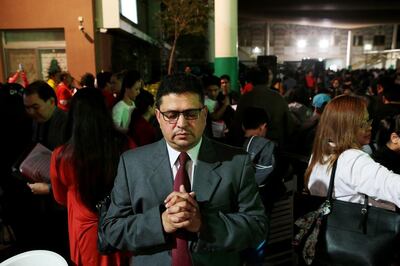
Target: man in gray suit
(222, 214)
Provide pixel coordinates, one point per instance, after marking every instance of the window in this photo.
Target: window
(34, 49)
(379, 40)
(358, 40)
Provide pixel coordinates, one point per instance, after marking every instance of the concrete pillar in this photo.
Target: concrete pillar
(226, 40)
(394, 36)
(211, 37)
(348, 50)
(267, 39)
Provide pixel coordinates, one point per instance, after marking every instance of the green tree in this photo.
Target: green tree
(182, 17)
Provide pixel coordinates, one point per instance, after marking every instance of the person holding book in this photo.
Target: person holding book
(40, 103)
(49, 219)
(82, 172)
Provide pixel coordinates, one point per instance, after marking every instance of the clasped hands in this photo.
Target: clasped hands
(182, 211)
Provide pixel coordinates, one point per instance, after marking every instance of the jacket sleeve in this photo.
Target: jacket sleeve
(265, 163)
(125, 229)
(366, 176)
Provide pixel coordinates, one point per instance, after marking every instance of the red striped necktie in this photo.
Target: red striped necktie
(181, 254)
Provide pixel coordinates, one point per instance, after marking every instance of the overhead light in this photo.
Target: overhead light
(323, 43)
(333, 67)
(320, 59)
(301, 43)
(256, 50)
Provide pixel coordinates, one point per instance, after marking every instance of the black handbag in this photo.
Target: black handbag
(345, 233)
(102, 244)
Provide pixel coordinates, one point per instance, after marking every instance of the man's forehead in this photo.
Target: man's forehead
(175, 99)
(212, 88)
(33, 99)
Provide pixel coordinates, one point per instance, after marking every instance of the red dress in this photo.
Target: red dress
(82, 222)
(109, 98)
(142, 132)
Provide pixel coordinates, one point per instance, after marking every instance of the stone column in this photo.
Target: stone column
(226, 40)
(348, 50)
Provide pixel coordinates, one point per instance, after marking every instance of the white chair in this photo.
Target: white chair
(36, 258)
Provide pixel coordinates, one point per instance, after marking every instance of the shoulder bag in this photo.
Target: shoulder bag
(102, 244)
(345, 233)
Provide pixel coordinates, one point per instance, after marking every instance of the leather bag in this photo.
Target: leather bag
(345, 233)
(102, 244)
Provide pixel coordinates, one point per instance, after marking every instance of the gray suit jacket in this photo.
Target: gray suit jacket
(233, 216)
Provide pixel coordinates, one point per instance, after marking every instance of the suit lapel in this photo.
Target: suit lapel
(206, 178)
(161, 180)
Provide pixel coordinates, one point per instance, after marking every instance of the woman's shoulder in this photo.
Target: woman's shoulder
(118, 104)
(358, 160)
(353, 153)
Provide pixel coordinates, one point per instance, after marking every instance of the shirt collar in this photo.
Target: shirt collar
(193, 153)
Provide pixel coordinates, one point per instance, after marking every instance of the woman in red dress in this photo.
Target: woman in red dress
(82, 173)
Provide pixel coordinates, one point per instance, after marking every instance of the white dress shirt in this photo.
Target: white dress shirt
(356, 174)
(190, 165)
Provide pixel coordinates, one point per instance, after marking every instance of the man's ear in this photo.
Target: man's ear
(52, 101)
(158, 114)
(264, 126)
(205, 111)
(394, 138)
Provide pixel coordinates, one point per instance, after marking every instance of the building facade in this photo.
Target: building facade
(293, 43)
(80, 35)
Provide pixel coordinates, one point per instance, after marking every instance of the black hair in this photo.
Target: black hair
(42, 89)
(94, 145)
(253, 117)
(211, 80)
(260, 77)
(226, 76)
(392, 92)
(102, 79)
(143, 101)
(385, 81)
(87, 80)
(387, 126)
(130, 78)
(63, 75)
(178, 84)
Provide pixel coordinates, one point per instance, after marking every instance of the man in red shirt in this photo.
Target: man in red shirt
(64, 91)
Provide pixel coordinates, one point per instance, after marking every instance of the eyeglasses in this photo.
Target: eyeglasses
(366, 124)
(173, 116)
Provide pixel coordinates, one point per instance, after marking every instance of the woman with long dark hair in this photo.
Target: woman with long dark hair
(83, 170)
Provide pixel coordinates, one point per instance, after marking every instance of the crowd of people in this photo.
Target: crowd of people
(349, 116)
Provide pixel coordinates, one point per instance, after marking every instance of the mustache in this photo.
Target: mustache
(182, 132)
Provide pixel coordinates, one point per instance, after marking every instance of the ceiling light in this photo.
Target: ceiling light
(256, 50)
(301, 43)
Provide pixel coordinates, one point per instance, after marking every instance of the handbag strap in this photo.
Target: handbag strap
(331, 181)
(331, 186)
(364, 209)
